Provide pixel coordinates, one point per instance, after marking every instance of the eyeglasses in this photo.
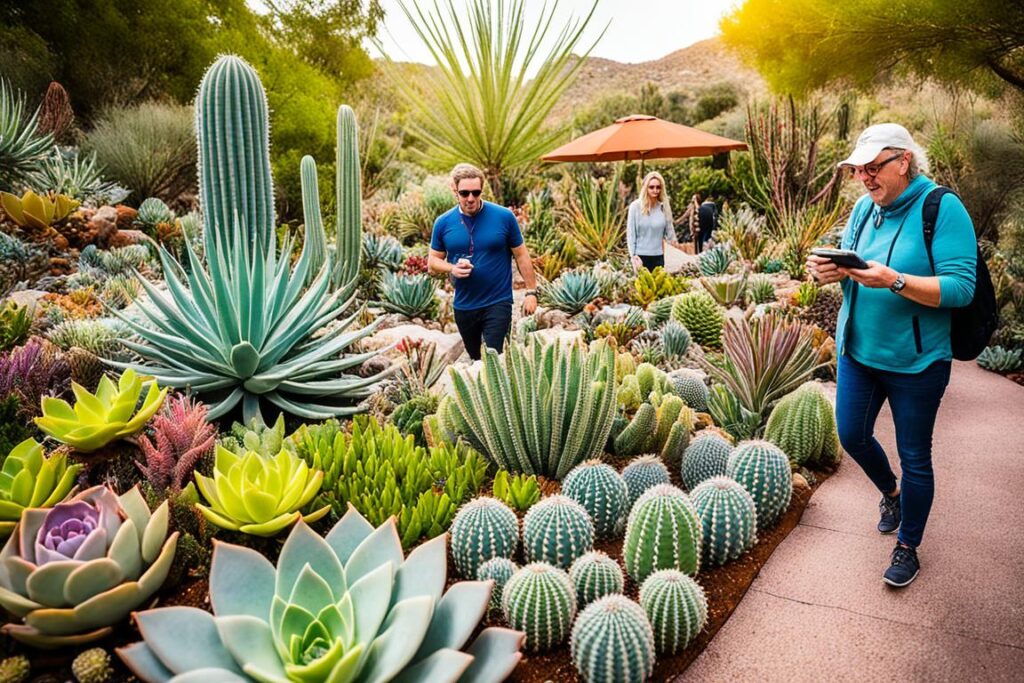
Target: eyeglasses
(872, 170)
(466, 193)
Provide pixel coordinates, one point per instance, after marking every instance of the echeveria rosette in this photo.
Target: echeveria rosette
(345, 607)
(97, 419)
(77, 569)
(31, 480)
(257, 495)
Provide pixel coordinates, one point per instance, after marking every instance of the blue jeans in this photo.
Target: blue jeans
(914, 400)
(490, 323)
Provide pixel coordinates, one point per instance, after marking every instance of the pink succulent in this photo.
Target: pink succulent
(183, 436)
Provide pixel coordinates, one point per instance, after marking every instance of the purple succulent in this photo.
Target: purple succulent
(31, 372)
(80, 530)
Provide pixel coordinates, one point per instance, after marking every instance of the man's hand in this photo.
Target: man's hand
(462, 269)
(823, 270)
(529, 304)
(878, 276)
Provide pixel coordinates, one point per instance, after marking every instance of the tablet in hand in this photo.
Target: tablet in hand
(844, 258)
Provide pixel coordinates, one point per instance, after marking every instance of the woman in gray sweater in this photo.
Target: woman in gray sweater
(649, 224)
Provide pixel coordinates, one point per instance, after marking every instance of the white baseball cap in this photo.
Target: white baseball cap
(876, 138)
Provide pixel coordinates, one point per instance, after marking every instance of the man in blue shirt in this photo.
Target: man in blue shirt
(474, 244)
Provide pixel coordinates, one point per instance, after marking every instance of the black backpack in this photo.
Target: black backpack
(972, 325)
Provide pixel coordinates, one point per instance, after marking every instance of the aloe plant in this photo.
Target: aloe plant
(519, 491)
(30, 480)
(727, 290)
(37, 211)
(22, 146)
(571, 292)
(411, 295)
(97, 419)
(346, 607)
(120, 554)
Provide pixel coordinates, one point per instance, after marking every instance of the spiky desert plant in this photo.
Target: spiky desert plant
(541, 601)
(22, 145)
(731, 415)
(661, 310)
(557, 530)
(20, 262)
(705, 457)
(152, 212)
(1000, 359)
(382, 252)
(661, 426)
(729, 518)
(761, 289)
(727, 290)
(15, 669)
(648, 348)
(267, 440)
(542, 409)
(484, 528)
(689, 386)
(408, 416)
(744, 231)
(612, 642)
(701, 316)
(595, 575)
(764, 471)
(677, 608)
(92, 666)
(625, 330)
(32, 372)
(675, 340)
(31, 480)
(571, 292)
(806, 294)
(663, 532)
(15, 325)
(650, 286)
(644, 473)
(716, 260)
(77, 175)
(519, 491)
(803, 425)
(411, 295)
(348, 606)
(183, 437)
(99, 336)
(603, 494)
(499, 570)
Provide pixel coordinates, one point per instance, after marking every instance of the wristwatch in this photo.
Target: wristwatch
(900, 283)
(530, 292)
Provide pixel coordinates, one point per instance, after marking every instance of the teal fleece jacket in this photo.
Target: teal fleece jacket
(882, 329)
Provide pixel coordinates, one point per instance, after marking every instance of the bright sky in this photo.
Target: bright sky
(640, 30)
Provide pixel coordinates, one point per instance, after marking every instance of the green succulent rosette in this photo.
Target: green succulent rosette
(348, 607)
(257, 495)
(75, 570)
(31, 480)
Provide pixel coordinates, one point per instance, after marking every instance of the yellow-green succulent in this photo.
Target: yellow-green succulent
(32, 210)
(30, 480)
(97, 419)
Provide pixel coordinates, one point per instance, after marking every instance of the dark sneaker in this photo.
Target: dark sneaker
(889, 521)
(904, 567)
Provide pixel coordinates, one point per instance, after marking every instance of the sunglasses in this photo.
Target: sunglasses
(466, 193)
(654, 187)
(872, 170)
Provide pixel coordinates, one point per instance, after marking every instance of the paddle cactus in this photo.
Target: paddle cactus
(602, 492)
(689, 386)
(764, 472)
(557, 530)
(612, 642)
(483, 528)
(705, 457)
(663, 532)
(699, 314)
(803, 425)
(729, 518)
(30, 480)
(643, 473)
(74, 571)
(677, 608)
(540, 600)
(349, 606)
(595, 575)
(499, 570)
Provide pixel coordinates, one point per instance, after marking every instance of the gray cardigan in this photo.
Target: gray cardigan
(644, 234)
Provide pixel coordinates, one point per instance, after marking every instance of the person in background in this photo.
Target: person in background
(474, 243)
(893, 330)
(649, 224)
(707, 220)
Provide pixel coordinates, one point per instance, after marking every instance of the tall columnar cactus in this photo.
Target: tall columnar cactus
(348, 185)
(705, 457)
(315, 243)
(595, 575)
(482, 529)
(643, 473)
(499, 570)
(663, 532)
(557, 530)
(677, 608)
(612, 642)
(602, 492)
(540, 600)
(764, 471)
(690, 386)
(803, 425)
(729, 518)
(699, 314)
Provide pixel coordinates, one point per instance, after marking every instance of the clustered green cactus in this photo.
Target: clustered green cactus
(677, 608)
(499, 570)
(519, 491)
(540, 600)
(557, 530)
(699, 314)
(612, 642)
(267, 440)
(643, 473)
(1000, 359)
(764, 471)
(595, 575)
(661, 426)
(706, 457)
(15, 669)
(675, 340)
(484, 528)
(603, 494)
(663, 532)
(729, 519)
(803, 425)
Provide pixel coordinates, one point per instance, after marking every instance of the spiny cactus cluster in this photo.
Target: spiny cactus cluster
(729, 518)
(803, 425)
(663, 532)
(699, 314)
(540, 601)
(571, 292)
(999, 359)
(557, 530)
(603, 494)
(499, 570)
(676, 607)
(15, 669)
(661, 426)
(643, 473)
(595, 575)
(689, 385)
(612, 642)
(705, 457)
(483, 528)
(764, 471)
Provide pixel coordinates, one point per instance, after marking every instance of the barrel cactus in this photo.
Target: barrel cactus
(689, 386)
(603, 494)
(483, 528)
(764, 471)
(729, 518)
(677, 608)
(92, 666)
(675, 340)
(612, 642)
(595, 575)
(642, 473)
(705, 457)
(499, 570)
(699, 314)
(803, 425)
(540, 600)
(557, 530)
(663, 532)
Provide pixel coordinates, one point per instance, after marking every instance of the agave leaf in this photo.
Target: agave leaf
(404, 628)
(455, 617)
(185, 639)
(144, 664)
(443, 666)
(496, 652)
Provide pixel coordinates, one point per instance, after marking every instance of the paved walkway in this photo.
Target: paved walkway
(819, 611)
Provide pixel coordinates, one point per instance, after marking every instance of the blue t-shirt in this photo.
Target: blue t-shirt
(486, 239)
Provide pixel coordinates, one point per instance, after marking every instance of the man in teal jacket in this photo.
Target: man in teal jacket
(893, 330)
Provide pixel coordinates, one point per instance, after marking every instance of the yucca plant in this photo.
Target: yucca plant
(411, 295)
(76, 175)
(596, 216)
(22, 146)
(744, 230)
(727, 290)
(571, 292)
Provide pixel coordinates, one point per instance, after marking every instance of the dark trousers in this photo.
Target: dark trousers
(652, 262)
(914, 400)
(703, 237)
(491, 323)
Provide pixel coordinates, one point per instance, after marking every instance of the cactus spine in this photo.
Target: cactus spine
(764, 472)
(642, 473)
(706, 457)
(483, 528)
(612, 642)
(557, 530)
(729, 518)
(663, 532)
(595, 575)
(603, 494)
(540, 601)
(803, 425)
(499, 570)
(677, 608)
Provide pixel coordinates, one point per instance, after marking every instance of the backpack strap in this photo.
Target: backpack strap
(929, 215)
